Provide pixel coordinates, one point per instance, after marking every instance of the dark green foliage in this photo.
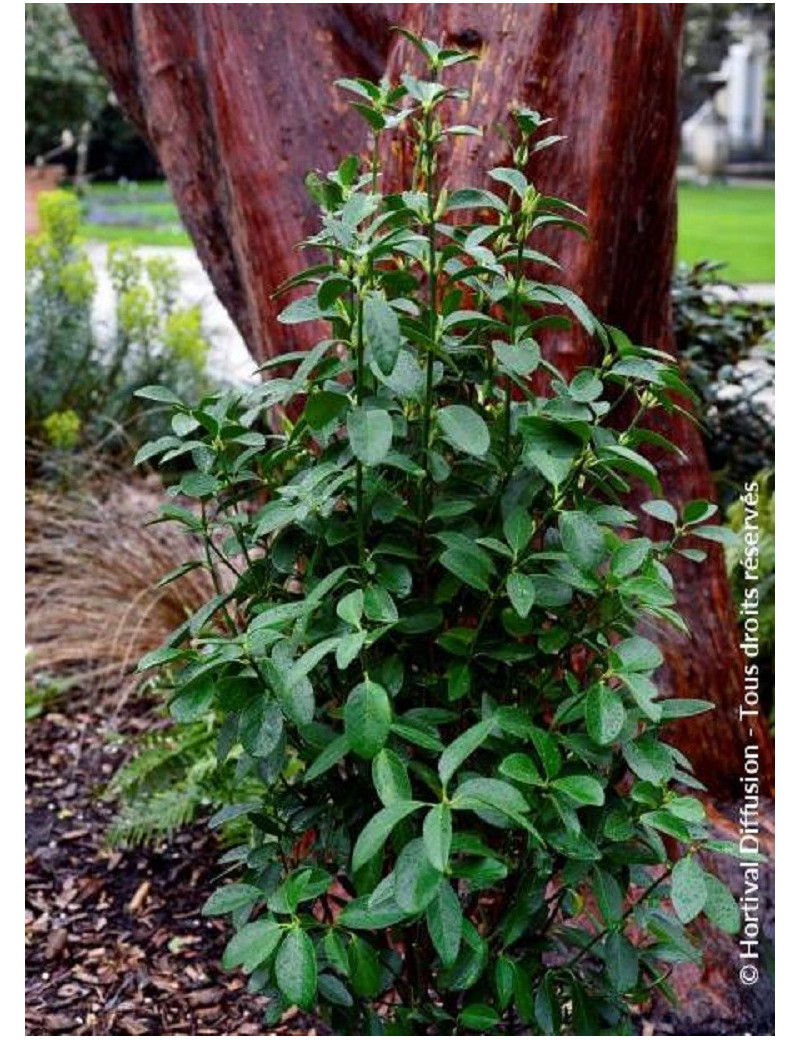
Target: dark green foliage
(713, 328)
(428, 655)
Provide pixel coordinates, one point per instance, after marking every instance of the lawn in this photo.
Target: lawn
(733, 224)
(142, 214)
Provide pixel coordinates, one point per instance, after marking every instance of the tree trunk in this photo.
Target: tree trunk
(238, 102)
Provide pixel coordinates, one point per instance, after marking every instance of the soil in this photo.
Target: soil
(116, 946)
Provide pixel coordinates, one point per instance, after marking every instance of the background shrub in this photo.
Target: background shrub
(79, 388)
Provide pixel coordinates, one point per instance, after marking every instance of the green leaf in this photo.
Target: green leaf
(459, 680)
(252, 945)
(518, 529)
(515, 179)
(688, 809)
(415, 878)
(608, 894)
(367, 719)
(296, 969)
(485, 793)
(585, 387)
(464, 429)
(305, 309)
(462, 747)
(547, 749)
(184, 424)
(723, 535)
(349, 648)
(688, 889)
(333, 753)
(684, 708)
(636, 654)
(521, 589)
(720, 907)
(334, 990)
(470, 563)
(390, 778)
(547, 1008)
(649, 759)
(365, 971)
(663, 820)
(162, 394)
(698, 511)
(474, 198)
(370, 434)
(194, 700)
(445, 922)
(323, 407)
(351, 607)
(437, 835)
(605, 714)
(582, 539)
(364, 914)
(630, 556)
(583, 790)
(382, 332)
(644, 691)
(520, 768)
(379, 605)
(622, 962)
(478, 1018)
(470, 964)
(661, 510)
(229, 898)
(372, 838)
(260, 726)
(519, 358)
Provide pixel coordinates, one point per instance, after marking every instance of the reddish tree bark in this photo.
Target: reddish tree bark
(238, 102)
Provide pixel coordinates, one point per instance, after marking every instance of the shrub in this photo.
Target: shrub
(423, 642)
(79, 391)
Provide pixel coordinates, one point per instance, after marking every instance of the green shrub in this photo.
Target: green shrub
(427, 655)
(78, 391)
(712, 330)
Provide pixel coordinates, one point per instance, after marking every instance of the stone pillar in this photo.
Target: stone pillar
(746, 69)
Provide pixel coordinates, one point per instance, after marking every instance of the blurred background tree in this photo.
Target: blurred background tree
(64, 90)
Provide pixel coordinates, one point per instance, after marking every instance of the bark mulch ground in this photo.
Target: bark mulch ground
(116, 945)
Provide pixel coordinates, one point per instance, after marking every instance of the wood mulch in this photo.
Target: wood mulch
(115, 943)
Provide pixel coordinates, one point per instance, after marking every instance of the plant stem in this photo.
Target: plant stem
(359, 399)
(429, 155)
(513, 338)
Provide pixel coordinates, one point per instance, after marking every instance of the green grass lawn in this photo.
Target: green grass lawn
(154, 217)
(736, 225)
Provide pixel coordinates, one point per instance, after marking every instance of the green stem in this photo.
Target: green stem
(601, 934)
(429, 153)
(359, 399)
(513, 338)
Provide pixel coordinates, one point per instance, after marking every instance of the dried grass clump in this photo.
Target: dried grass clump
(92, 567)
